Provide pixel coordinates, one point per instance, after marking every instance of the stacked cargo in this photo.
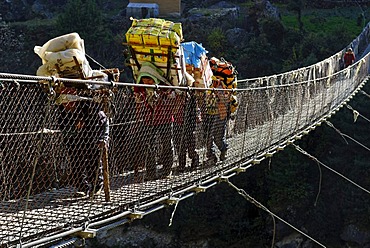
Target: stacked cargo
(224, 71)
(157, 41)
(197, 64)
(63, 55)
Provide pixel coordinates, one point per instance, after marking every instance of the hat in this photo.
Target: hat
(349, 49)
(149, 70)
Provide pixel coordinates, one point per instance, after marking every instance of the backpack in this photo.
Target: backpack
(220, 67)
(224, 71)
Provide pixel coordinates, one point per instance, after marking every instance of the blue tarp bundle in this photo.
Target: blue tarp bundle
(193, 52)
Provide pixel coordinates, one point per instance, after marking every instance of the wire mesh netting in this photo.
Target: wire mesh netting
(76, 157)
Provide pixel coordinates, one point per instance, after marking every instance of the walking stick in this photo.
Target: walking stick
(104, 157)
(105, 171)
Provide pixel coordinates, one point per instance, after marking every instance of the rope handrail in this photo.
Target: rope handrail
(8, 77)
(147, 165)
(334, 56)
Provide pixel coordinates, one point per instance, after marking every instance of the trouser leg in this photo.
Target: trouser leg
(209, 133)
(150, 152)
(190, 140)
(96, 131)
(179, 138)
(220, 133)
(167, 149)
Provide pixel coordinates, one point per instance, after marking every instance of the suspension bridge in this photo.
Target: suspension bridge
(50, 148)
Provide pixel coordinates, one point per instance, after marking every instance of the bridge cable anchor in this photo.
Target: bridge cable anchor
(136, 215)
(240, 170)
(171, 201)
(199, 189)
(86, 234)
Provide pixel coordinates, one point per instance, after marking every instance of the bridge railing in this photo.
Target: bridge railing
(58, 148)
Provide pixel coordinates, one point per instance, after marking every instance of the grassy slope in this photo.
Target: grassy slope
(326, 20)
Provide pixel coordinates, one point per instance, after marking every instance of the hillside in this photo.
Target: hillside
(262, 39)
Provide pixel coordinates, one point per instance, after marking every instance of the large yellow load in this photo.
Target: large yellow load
(157, 41)
(154, 32)
(152, 38)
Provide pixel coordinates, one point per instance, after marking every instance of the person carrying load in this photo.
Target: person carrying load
(226, 72)
(221, 105)
(154, 117)
(349, 58)
(186, 117)
(83, 111)
(215, 122)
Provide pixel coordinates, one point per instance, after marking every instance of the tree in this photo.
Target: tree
(216, 42)
(297, 6)
(85, 18)
(11, 49)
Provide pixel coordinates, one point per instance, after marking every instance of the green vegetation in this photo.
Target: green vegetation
(84, 18)
(267, 46)
(34, 23)
(215, 40)
(319, 24)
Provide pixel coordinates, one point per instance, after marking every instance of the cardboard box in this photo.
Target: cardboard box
(173, 26)
(169, 38)
(151, 54)
(134, 35)
(150, 36)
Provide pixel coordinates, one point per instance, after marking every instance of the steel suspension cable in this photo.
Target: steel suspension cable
(347, 136)
(327, 167)
(258, 204)
(319, 190)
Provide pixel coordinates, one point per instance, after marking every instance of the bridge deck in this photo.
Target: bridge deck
(60, 210)
(272, 111)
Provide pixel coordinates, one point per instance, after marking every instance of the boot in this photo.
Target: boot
(180, 169)
(212, 160)
(195, 162)
(223, 155)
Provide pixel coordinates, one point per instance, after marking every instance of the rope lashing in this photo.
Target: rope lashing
(96, 62)
(173, 213)
(356, 113)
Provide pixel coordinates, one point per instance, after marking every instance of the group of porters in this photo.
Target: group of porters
(157, 55)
